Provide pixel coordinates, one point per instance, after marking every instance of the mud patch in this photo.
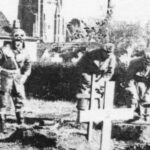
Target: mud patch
(32, 138)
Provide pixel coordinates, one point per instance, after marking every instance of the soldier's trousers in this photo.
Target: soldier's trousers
(140, 92)
(98, 88)
(11, 88)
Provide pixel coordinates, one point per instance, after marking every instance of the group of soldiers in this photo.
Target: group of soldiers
(102, 62)
(15, 67)
(138, 82)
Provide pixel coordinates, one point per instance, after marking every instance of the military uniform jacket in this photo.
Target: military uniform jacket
(139, 70)
(108, 67)
(14, 63)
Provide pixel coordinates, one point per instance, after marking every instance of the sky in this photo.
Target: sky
(132, 10)
(124, 10)
(9, 8)
(84, 8)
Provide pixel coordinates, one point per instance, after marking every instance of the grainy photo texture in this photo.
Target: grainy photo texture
(75, 75)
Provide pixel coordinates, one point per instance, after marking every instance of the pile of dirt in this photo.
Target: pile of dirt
(60, 131)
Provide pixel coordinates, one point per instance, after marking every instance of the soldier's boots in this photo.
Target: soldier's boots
(142, 111)
(146, 113)
(20, 121)
(20, 118)
(3, 123)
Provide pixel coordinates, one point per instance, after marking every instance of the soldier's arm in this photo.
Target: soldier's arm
(140, 79)
(26, 69)
(110, 69)
(1, 57)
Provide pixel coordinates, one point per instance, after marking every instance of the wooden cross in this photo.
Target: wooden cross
(106, 114)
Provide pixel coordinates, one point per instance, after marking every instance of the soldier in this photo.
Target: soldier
(15, 67)
(107, 68)
(138, 79)
(101, 62)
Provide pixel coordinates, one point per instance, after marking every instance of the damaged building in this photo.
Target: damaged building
(42, 18)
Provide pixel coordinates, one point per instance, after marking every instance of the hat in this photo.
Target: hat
(109, 47)
(18, 34)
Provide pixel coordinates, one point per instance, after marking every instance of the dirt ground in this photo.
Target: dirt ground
(53, 126)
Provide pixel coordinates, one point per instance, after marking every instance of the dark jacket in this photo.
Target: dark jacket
(86, 63)
(12, 62)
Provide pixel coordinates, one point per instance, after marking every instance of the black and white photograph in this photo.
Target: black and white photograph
(74, 74)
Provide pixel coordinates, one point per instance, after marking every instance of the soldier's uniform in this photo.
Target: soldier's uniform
(107, 68)
(87, 66)
(100, 62)
(15, 67)
(138, 78)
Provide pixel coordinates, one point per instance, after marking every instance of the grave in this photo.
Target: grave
(106, 113)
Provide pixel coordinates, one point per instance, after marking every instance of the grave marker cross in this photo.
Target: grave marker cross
(107, 114)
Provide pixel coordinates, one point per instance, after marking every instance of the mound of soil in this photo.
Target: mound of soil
(59, 130)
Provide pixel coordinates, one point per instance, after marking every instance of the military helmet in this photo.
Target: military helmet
(109, 47)
(18, 34)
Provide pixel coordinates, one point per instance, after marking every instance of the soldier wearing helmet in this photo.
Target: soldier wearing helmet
(138, 79)
(108, 66)
(101, 62)
(15, 67)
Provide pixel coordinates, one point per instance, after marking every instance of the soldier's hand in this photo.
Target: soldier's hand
(20, 80)
(1, 55)
(109, 47)
(23, 79)
(17, 78)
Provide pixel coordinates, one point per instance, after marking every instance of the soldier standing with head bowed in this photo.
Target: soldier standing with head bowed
(15, 67)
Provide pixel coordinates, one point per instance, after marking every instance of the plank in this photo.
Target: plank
(108, 106)
(90, 123)
(101, 114)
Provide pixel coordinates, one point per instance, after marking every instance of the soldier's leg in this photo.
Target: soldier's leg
(84, 94)
(3, 105)
(146, 102)
(142, 88)
(146, 97)
(18, 98)
(133, 89)
(100, 91)
(5, 95)
(86, 84)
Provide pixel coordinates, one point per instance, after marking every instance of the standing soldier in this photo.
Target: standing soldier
(100, 62)
(15, 67)
(138, 79)
(107, 68)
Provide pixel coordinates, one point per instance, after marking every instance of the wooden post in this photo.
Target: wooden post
(107, 114)
(90, 123)
(107, 126)
(92, 91)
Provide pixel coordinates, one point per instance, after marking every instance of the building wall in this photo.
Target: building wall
(28, 10)
(49, 8)
(42, 18)
(59, 23)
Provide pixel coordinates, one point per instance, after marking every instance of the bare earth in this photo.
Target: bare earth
(52, 126)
